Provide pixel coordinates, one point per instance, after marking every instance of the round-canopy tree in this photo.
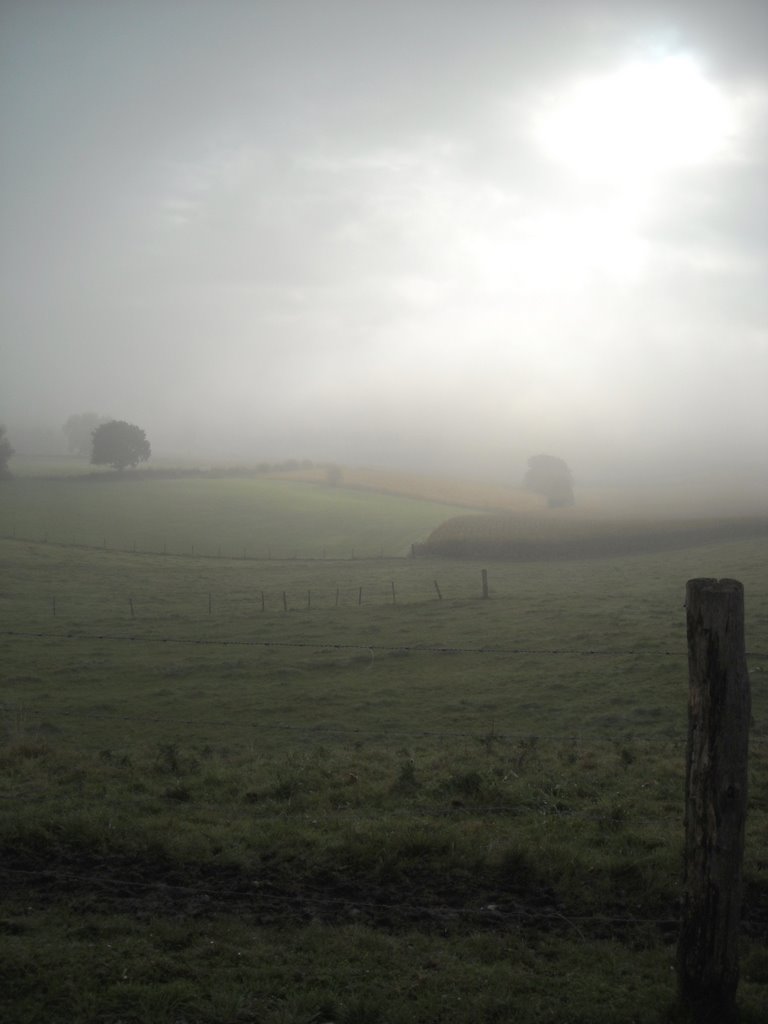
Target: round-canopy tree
(551, 477)
(119, 444)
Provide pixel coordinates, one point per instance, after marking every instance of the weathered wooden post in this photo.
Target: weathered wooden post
(437, 591)
(715, 800)
(485, 583)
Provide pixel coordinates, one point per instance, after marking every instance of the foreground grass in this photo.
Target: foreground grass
(348, 973)
(507, 881)
(421, 810)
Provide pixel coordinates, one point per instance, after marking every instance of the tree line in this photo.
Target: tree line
(117, 443)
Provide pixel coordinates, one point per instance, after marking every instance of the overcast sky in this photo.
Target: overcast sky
(437, 233)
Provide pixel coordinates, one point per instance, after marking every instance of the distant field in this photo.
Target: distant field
(260, 517)
(446, 491)
(729, 496)
(529, 538)
(299, 790)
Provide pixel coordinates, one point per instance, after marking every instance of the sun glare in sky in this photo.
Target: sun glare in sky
(645, 119)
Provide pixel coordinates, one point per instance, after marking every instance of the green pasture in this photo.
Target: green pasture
(563, 648)
(252, 517)
(315, 790)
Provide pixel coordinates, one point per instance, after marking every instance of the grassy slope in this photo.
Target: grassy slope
(422, 836)
(565, 536)
(264, 517)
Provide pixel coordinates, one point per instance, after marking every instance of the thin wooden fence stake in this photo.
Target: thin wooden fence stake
(309, 599)
(719, 708)
(437, 590)
(285, 602)
(53, 605)
(485, 583)
(210, 603)
(393, 592)
(360, 597)
(337, 597)
(130, 605)
(262, 601)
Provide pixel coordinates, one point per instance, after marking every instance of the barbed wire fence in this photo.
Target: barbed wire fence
(248, 552)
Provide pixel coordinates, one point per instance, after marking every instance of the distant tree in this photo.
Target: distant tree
(6, 451)
(78, 431)
(334, 475)
(551, 477)
(119, 444)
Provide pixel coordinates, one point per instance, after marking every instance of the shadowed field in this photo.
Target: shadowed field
(532, 539)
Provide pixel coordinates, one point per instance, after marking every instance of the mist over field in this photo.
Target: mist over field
(436, 237)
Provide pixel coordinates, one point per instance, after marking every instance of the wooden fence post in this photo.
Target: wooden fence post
(715, 800)
(437, 590)
(485, 583)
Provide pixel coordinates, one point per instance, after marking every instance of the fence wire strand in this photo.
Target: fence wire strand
(323, 645)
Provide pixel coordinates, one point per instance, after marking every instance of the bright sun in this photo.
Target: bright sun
(643, 120)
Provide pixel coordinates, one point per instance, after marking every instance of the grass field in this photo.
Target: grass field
(255, 516)
(526, 538)
(299, 790)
